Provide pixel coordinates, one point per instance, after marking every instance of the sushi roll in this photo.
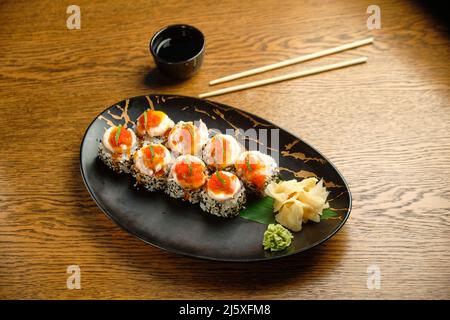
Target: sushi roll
(116, 147)
(256, 170)
(151, 165)
(224, 195)
(187, 138)
(186, 178)
(221, 152)
(154, 126)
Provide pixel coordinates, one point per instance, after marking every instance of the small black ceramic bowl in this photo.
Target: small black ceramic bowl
(178, 50)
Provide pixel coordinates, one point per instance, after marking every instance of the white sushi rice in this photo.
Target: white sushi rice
(227, 208)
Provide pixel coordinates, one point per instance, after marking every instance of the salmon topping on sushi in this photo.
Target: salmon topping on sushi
(155, 158)
(221, 151)
(151, 165)
(224, 195)
(250, 168)
(186, 138)
(189, 172)
(153, 123)
(119, 140)
(119, 137)
(116, 147)
(255, 168)
(223, 185)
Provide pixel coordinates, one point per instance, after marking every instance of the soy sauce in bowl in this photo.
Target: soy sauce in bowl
(178, 50)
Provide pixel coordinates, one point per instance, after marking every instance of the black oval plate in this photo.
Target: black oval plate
(183, 228)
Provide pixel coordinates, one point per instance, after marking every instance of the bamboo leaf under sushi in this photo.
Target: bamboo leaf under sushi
(327, 214)
(260, 211)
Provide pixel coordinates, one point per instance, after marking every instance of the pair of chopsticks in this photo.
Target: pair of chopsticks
(288, 63)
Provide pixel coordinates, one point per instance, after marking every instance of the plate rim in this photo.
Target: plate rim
(191, 255)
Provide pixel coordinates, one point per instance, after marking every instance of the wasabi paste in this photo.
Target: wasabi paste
(277, 238)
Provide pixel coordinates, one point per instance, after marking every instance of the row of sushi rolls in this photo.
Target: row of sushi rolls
(186, 163)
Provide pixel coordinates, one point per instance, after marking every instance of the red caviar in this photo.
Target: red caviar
(154, 118)
(124, 138)
(251, 169)
(155, 158)
(190, 174)
(221, 183)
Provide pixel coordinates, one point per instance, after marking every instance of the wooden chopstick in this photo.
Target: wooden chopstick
(284, 77)
(289, 62)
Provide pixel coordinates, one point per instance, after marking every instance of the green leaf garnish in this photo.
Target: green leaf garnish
(222, 180)
(145, 119)
(152, 151)
(327, 214)
(260, 211)
(119, 128)
(190, 168)
(247, 162)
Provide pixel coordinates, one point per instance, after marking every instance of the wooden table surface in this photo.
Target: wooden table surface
(385, 125)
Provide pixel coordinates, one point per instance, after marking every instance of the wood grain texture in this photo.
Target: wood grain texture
(385, 125)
